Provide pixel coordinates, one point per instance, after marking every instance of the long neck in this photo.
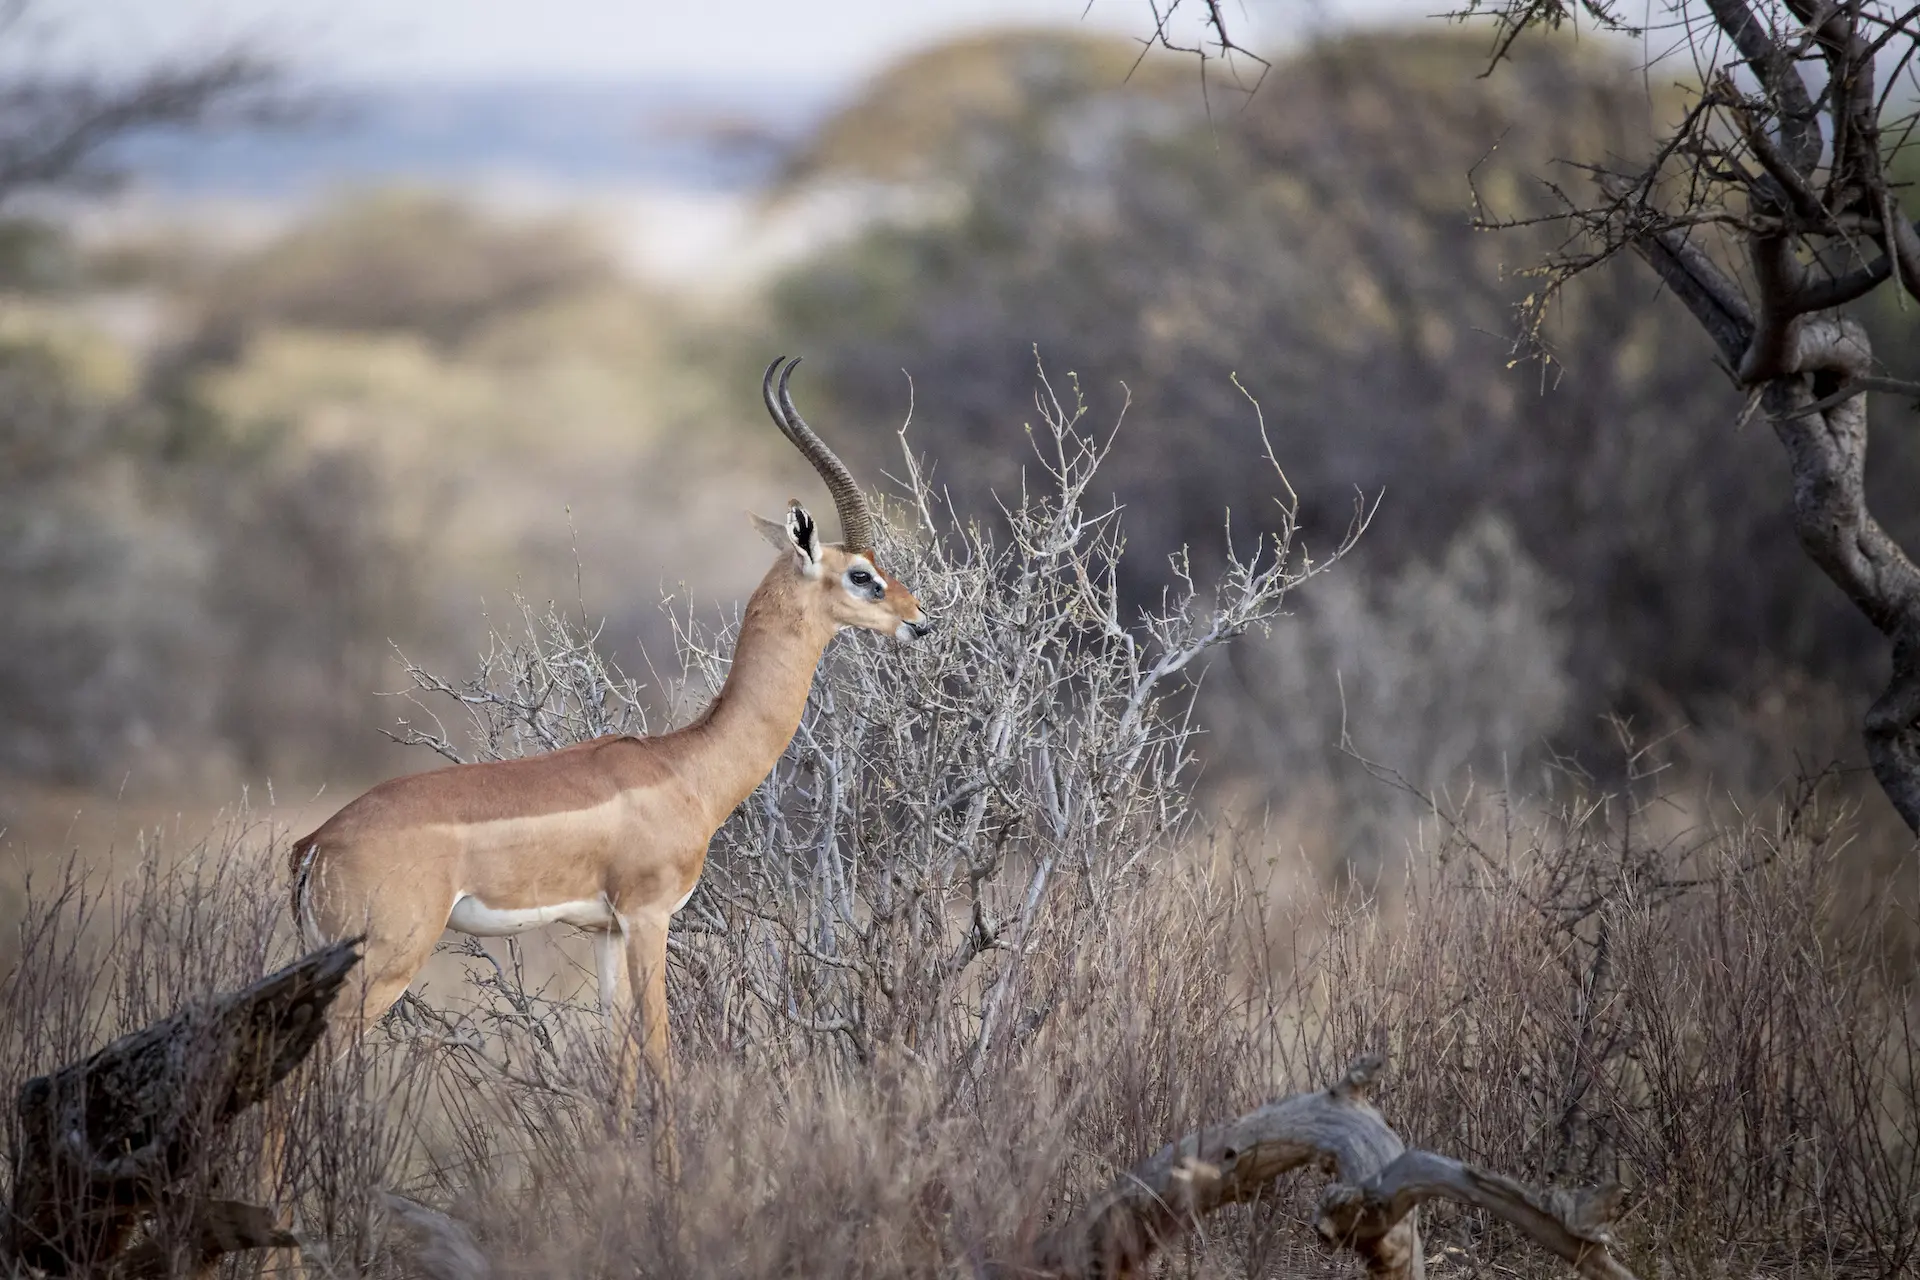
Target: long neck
(736, 743)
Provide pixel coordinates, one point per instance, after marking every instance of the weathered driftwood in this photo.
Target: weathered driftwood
(1369, 1208)
(444, 1249)
(102, 1141)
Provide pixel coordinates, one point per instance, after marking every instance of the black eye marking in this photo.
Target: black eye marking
(867, 583)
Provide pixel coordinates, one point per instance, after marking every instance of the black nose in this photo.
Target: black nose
(921, 630)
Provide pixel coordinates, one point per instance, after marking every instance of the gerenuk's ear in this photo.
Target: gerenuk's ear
(799, 535)
(772, 530)
(803, 533)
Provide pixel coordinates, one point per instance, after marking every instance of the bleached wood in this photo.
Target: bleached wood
(1369, 1207)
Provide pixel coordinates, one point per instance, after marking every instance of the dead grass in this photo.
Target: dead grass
(1560, 1001)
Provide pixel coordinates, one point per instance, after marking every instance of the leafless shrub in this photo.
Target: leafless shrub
(944, 811)
(1451, 669)
(539, 690)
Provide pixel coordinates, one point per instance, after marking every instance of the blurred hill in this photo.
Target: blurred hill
(374, 428)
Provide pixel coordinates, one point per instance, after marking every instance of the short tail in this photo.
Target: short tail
(300, 866)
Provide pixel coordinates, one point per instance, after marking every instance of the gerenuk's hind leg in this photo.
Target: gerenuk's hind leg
(393, 953)
(647, 977)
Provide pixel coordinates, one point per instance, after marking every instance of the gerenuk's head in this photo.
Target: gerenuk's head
(843, 581)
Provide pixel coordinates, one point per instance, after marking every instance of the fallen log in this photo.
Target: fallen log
(1368, 1208)
(103, 1141)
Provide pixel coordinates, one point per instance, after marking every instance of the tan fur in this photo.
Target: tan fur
(622, 820)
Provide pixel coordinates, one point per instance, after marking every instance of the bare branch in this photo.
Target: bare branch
(1705, 289)
(1904, 246)
(1800, 129)
(1808, 200)
(1824, 295)
(54, 127)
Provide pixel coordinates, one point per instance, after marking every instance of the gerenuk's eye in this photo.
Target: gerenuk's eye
(860, 577)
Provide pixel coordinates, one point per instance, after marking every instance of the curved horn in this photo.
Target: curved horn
(856, 517)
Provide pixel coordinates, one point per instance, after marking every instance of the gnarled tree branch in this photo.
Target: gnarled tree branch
(1799, 122)
(1369, 1208)
(1750, 167)
(1704, 289)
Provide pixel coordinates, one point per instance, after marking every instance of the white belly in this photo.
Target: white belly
(470, 915)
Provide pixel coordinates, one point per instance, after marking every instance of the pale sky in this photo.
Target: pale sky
(807, 40)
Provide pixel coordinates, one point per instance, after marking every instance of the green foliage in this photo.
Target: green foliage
(35, 255)
(150, 556)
